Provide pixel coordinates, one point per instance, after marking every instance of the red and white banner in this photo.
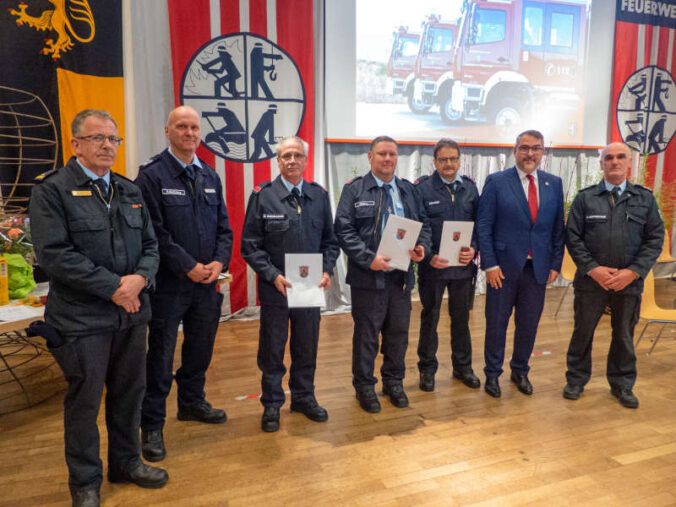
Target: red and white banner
(644, 91)
(247, 66)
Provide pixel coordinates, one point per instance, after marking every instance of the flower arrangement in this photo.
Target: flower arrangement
(15, 237)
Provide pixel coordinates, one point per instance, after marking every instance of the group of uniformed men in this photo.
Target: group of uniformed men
(115, 250)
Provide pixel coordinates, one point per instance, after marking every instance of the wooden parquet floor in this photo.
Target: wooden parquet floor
(455, 446)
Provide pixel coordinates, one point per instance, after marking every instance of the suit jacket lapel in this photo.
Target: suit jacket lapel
(517, 189)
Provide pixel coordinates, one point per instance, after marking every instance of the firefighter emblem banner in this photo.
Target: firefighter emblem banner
(644, 93)
(66, 55)
(246, 66)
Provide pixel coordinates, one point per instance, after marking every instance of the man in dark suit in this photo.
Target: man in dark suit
(520, 227)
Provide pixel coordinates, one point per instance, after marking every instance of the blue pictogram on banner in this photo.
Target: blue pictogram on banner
(248, 92)
(646, 116)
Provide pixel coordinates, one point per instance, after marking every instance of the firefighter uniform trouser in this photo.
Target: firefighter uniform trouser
(114, 359)
(199, 307)
(274, 331)
(431, 295)
(624, 314)
(375, 311)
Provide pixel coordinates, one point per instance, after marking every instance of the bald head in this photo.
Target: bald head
(615, 162)
(183, 132)
(618, 146)
(181, 111)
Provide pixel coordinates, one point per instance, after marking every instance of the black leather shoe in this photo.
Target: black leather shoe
(311, 409)
(396, 394)
(270, 419)
(468, 378)
(426, 382)
(572, 391)
(492, 387)
(86, 497)
(202, 412)
(368, 400)
(522, 383)
(625, 397)
(143, 475)
(153, 445)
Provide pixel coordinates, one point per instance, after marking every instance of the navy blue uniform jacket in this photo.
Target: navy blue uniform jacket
(188, 230)
(358, 228)
(273, 227)
(440, 206)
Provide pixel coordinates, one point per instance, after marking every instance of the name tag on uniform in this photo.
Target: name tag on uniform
(269, 216)
(81, 193)
(210, 190)
(173, 191)
(596, 217)
(432, 203)
(359, 204)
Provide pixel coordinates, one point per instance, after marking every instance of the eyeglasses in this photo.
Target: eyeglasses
(100, 139)
(287, 157)
(526, 149)
(448, 160)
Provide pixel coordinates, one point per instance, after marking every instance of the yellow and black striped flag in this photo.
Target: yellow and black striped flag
(58, 57)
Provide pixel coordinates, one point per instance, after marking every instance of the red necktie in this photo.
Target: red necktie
(532, 202)
(532, 197)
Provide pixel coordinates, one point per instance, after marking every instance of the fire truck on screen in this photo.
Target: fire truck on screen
(510, 58)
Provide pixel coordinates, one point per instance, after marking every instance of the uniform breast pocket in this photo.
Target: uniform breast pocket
(318, 223)
(469, 208)
(87, 234)
(132, 215)
(175, 200)
(436, 210)
(211, 198)
(365, 212)
(277, 225)
(89, 224)
(637, 214)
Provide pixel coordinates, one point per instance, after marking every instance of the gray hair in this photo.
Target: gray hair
(533, 133)
(78, 121)
(303, 143)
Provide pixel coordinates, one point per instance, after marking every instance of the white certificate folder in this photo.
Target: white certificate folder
(399, 236)
(454, 236)
(304, 272)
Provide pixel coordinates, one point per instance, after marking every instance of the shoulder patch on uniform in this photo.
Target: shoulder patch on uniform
(118, 175)
(642, 187)
(261, 186)
(354, 179)
(318, 185)
(41, 177)
(422, 178)
(152, 160)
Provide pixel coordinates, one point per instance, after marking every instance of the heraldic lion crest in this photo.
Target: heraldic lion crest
(59, 20)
